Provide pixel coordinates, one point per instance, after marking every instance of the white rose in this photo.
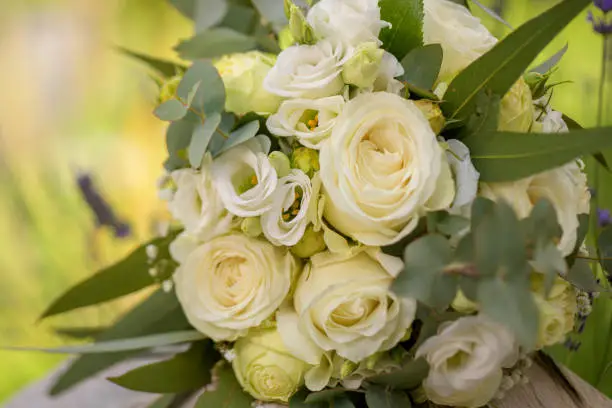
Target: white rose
(516, 110)
(462, 36)
(466, 359)
(308, 71)
(245, 178)
(557, 309)
(466, 175)
(348, 22)
(553, 122)
(196, 203)
(565, 187)
(310, 120)
(382, 169)
(344, 304)
(233, 283)
(286, 221)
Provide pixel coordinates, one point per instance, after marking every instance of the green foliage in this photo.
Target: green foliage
(507, 156)
(408, 377)
(214, 43)
(184, 372)
(228, 392)
(491, 13)
(160, 313)
(127, 276)
(163, 402)
(298, 400)
(79, 332)
(239, 136)
(171, 110)
(421, 68)
(201, 138)
(581, 275)
(379, 397)
(272, 12)
(502, 66)
(325, 395)
(406, 32)
(209, 94)
(604, 242)
(165, 69)
(550, 63)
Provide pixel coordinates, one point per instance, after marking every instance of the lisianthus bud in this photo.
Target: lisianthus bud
(516, 112)
(537, 83)
(362, 69)
(280, 162)
(299, 28)
(265, 368)
(251, 227)
(312, 242)
(168, 89)
(243, 76)
(433, 113)
(285, 38)
(306, 160)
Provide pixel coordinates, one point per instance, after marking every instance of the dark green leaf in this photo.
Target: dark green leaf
(127, 276)
(164, 68)
(271, 11)
(551, 62)
(424, 277)
(506, 156)
(171, 110)
(79, 332)
(502, 66)
(342, 403)
(210, 95)
(604, 242)
(160, 313)
(492, 14)
(406, 31)
(214, 43)
(201, 138)
(325, 395)
(542, 227)
(184, 372)
(421, 69)
(379, 397)
(408, 377)
(239, 136)
(163, 402)
(573, 125)
(227, 394)
(241, 18)
(485, 116)
(581, 276)
(299, 401)
(452, 224)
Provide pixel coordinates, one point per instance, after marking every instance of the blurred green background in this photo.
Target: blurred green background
(69, 102)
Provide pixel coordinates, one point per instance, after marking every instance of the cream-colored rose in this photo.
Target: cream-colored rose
(243, 76)
(344, 304)
(310, 120)
(245, 179)
(308, 71)
(557, 310)
(516, 111)
(264, 367)
(233, 283)
(462, 36)
(565, 187)
(466, 358)
(382, 169)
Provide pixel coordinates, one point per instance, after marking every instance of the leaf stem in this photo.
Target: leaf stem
(222, 133)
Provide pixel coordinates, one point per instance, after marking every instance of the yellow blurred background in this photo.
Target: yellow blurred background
(69, 102)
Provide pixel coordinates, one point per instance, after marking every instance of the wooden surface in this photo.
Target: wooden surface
(541, 392)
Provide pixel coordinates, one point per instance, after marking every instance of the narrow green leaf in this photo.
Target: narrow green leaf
(408, 377)
(506, 156)
(325, 395)
(406, 31)
(164, 68)
(492, 14)
(163, 402)
(184, 372)
(159, 313)
(550, 63)
(239, 136)
(126, 276)
(209, 97)
(604, 242)
(214, 43)
(379, 397)
(599, 157)
(485, 116)
(502, 66)
(227, 394)
(171, 110)
(201, 138)
(79, 332)
(421, 69)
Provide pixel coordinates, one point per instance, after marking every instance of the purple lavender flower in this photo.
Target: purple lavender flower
(603, 217)
(601, 24)
(603, 5)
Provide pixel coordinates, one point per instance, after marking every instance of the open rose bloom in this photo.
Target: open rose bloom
(386, 211)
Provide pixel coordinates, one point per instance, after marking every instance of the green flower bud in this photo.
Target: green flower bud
(537, 83)
(280, 162)
(362, 69)
(251, 227)
(265, 368)
(243, 76)
(348, 368)
(433, 113)
(285, 38)
(306, 160)
(311, 243)
(168, 89)
(516, 111)
(299, 28)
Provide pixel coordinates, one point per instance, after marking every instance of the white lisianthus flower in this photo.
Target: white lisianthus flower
(382, 169)
(565, 187)
(466, 175)
(196, 203)
(553, 122)
(462, 36)
(347, 22)
(264, 367)
(286, 221)
(344, 304)
(308, 71)
(233, 283)
(466, 358)
(390, 68)
(310, 120)
(245, 178)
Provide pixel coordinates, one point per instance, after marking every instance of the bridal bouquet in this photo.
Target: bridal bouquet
(376, 206)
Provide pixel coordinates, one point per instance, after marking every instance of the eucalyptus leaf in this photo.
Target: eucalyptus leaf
(227, 394)
(241, 18)
(408, 377)
(325, 395)
(507, 156)
(452, 225)
(406, 31)
(421, 68)
(550, 63)
(171, 110)
(298, 400)
(272, 12)
(184, 372)
(239, 136)
(201, 138)
(503, 65)
(582, 276)
(209, 97)
(485, 116)
(379, 397)
(209, 13)
(214, 43)
(166, 69)
(342, 402)
(549, 261)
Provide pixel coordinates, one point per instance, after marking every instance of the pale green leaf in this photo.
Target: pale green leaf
(227, 394)
(502, 66)
(451, 225)
(582, 276)
(272, 12)
(214, 43)
(379, 397)
(421, 69)
(406, 31)
(239, 136)
(171, 110)
(408, 377)
(201, 138)
(209, 97)
(166, 69)
(550, 63)
(209, 13)
(549, 261)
